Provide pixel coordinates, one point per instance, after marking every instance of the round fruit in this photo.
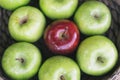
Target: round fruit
(21, 61)
(62, 36)
(97, 55)
(13, 4)
(27, 24)
(58, 9)
(59, 68)
(93, 17)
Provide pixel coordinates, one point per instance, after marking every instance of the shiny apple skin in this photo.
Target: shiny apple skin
(62, 36)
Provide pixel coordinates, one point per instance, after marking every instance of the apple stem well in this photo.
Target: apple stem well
(64, 33)
(100, 59)
(96, 16)
(62, 77)
(21, 60)
(24, 20)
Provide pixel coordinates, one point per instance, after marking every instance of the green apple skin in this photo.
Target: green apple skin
(93, 17)
(59, 68)
(58, 9)
(13, 4)
(97, 55)
(21, 61)
(27, 24)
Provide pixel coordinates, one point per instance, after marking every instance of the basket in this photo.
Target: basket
(113, 33)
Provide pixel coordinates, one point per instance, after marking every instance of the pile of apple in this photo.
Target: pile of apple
(96, 55)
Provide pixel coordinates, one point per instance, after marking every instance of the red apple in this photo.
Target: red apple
(62, 36)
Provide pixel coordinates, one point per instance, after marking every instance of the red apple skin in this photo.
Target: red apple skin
(62, 36)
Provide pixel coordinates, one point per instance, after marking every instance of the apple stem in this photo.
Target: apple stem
(100, 59)
(96, 16)
(62, 77)
(20, 59)
(64, 33)
(24, 20)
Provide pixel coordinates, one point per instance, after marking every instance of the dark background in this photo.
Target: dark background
(113, 33)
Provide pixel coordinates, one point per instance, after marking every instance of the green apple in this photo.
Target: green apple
(27, 24)
(13, 4)
(59, 68)
(58, 9)
(21, 61)
(93, 17)
(97, 55)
